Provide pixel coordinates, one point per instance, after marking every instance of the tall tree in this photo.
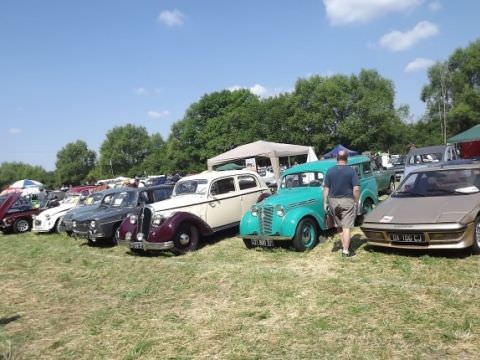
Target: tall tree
(74, 162)
(124, 150)
(13, 171)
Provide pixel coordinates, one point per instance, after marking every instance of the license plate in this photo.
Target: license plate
(262, 242)
(412, 238)
(136, 245)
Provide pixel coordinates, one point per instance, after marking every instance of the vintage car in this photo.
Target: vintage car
(103, 222)
(200, 205)
(52, 219)
(435, 207)
(384, 177)
(295, 214)
(398, 162)
(93, 201)
(421, 157)
(16, 212)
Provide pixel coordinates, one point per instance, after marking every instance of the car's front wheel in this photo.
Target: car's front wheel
(59, 226)
(21, 226)
(306, 235)
(248, 243)
(186, 239)
(476, 238)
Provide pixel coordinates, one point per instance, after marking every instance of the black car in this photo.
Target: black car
(102, 223)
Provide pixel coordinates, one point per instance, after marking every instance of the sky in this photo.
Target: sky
(73, 70)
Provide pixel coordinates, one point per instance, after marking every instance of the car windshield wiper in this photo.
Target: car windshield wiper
(408, 193)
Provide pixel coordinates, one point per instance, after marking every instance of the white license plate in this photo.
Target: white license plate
(262, 242)
(412, 238)
(136, 245)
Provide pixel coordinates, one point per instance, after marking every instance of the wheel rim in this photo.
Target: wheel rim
(184, 239)
(392, 186)
(22, 225)
(367, 207)
(308, 234)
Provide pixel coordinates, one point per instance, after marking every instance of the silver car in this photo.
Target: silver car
(435, 207)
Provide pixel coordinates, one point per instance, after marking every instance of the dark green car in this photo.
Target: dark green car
(295, 213)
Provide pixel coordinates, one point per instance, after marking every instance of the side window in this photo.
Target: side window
(373, 166)
(161, 194)
(222, 186)
(143, 197)
(247, 182)
(357, 170)
(366, 168)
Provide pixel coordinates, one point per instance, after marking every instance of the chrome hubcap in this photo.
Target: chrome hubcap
(22, 226)
(184, 239)
(306, 234)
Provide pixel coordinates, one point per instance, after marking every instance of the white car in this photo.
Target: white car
(51, 219)
(200, 205)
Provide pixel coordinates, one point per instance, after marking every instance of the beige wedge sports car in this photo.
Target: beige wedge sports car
(437, 207)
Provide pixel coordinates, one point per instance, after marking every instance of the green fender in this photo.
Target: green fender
(294, 216)
(248, 224)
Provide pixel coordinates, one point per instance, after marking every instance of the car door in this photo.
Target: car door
(250, 189)
(224, 203)
(380, 178)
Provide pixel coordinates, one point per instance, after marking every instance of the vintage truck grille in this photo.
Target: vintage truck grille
(83, 226)
(144, 219)
(265, 216)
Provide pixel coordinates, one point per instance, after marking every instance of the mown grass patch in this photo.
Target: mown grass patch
(62, 299)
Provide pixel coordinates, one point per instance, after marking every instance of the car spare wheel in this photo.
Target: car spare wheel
(185, 239)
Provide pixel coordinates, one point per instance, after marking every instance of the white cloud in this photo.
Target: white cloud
(256, 89)
(342, 12)
(15, 131)
(435, 6)
(141, 91)
(418, 64)
(171, 18)
(398, 41)
(157, 114)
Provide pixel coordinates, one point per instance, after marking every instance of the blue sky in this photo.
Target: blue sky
(73, 70)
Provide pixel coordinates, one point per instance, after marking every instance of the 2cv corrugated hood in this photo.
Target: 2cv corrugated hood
(425, 210)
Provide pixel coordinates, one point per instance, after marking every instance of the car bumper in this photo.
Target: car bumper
(146, 245)
(44, 226)
(267, 237)
(437, 237)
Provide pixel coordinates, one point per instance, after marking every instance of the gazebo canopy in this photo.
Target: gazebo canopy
(261, 148)
(332, 153)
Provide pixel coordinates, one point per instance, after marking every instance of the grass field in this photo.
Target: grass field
(61, 299)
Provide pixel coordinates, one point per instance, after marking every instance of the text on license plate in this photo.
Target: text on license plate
(136, 245)
(262, 242)
(415, 238)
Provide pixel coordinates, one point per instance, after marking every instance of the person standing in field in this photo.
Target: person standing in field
(341, 191)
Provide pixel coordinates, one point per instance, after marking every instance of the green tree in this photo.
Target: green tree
(13, 171)
(124, 150)
(74, 162)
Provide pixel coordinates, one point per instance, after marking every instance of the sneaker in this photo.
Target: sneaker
(349, 254)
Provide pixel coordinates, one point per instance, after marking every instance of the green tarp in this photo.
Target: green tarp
(471, 134)
(229, 166)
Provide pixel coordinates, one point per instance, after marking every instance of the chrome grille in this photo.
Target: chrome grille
(144, 219)
(82, 227)
(265, 215)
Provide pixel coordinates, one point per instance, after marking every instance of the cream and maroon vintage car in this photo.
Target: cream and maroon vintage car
(200, 205)
(435, 207)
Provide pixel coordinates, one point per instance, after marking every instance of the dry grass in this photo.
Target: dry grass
(60, 299)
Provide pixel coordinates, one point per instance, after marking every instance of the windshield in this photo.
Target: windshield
(107, 200)
(198, 186)
(440, 183)
(2, 199)
(124, 199)
(425, 158)
(302, 179)
(71, 199)
(94, 199)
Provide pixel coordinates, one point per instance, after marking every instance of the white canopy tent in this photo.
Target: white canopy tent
(261, 148)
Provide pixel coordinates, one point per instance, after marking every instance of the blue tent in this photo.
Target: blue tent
(333, 153)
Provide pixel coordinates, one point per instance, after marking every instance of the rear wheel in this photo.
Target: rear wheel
(306, 235)
(367, 206)
(21, 226)
(476, 238)
(185, 239)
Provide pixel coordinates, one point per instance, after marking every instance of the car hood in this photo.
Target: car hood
(294, 197)
(103, 213)
(56, 210)
(425, 210)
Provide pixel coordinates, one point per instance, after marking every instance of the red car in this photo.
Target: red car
(16, 213)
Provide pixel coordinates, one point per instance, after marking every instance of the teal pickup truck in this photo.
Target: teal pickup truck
(295, 213)
(385, 177)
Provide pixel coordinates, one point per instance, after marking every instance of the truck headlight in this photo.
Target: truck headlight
(158, 219)
(280, 210)
(133, 219)
(254, 210)
(92, 224)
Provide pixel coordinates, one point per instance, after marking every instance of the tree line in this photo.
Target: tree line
(357, 111)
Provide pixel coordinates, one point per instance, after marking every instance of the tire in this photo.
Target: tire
(367, 206)
(186, 239)
(21, 226)
(391, 186)
(116, 234)
(69, 233)
(476, 237)
(59, 226)
(306, 235)
(248, 243)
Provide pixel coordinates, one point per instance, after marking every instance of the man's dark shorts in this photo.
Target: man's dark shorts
(344, 211)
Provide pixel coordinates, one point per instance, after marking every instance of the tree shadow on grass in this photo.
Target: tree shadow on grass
(417, 253)
(4, 321)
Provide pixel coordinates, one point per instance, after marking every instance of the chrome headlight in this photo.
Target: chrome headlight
(133, 219)
(280, 210)
(254, 210)
(140, 236)
(158, 219)
(74, 224)
(92, 224)
(128, 236)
